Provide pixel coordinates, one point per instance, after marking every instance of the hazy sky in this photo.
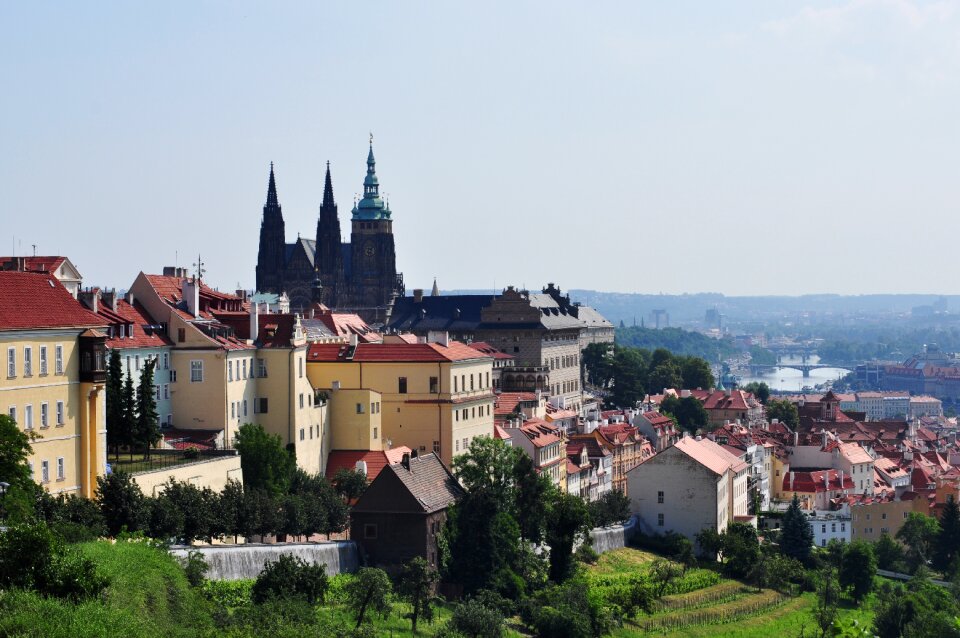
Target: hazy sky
(746, 148)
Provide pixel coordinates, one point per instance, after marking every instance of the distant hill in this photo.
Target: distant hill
(677, 341)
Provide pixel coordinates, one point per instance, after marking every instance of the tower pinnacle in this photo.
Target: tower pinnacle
(272, 190)
(328, 188)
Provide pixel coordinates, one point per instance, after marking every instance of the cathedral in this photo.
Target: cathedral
(360, 276)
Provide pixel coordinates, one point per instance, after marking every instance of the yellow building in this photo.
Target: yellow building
(53, 381)
(433, 397)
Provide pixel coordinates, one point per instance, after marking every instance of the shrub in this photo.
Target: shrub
(474, 620)
(290, 577)
(586, 554)
(195, 567)
(32, 558)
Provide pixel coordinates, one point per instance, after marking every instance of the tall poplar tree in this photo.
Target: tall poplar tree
(128, 403)
(147, 428)
(115, 412)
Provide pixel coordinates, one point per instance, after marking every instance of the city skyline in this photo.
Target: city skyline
(751, 150)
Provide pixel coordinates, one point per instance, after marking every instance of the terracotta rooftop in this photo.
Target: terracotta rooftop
(375, 460)
(393, 352)
(710, 455)
(37, 300)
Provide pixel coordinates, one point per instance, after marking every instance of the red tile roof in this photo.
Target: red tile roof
(816, 481)
(36, 263)
(375, 460)
(710, 455)
(36, 300)
(393, 352)
(486, 348)
(506, 402)
(135, 315)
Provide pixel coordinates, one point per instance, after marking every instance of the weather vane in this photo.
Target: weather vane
(199, 266)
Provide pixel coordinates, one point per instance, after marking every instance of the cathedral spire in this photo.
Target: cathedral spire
(272, 190)
(328, 188)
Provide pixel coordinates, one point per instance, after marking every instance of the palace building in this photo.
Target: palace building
(359, 276)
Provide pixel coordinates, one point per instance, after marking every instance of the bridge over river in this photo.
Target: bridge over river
(757, 369)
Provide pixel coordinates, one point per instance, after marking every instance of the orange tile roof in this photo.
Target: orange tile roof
(136, 315)
(375, 460)
(394, 352)
(37, 300)
(710, 455)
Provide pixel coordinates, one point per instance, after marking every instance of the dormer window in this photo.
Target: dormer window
(130, 331)
(121, 331)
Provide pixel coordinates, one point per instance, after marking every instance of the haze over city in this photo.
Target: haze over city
(761, 148)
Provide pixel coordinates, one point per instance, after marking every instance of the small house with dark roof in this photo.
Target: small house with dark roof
(403, 510)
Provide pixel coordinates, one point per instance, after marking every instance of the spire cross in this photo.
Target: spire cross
(371, 138)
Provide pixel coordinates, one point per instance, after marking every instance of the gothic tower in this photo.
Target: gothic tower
(373, 268)
(270, 258)
(329, 258)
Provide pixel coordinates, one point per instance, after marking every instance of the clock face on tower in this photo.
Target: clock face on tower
(369, 250)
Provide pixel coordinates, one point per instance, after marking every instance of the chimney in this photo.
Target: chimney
(254, 321)
(417, 295)
(109, 298)
(353, 340)
(441, 337)
(792, 473)
(191, 294)
(841, 480)
(405, 461)
(796, 439)
(89, 298)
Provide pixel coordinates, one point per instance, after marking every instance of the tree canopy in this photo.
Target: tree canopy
(265, 464)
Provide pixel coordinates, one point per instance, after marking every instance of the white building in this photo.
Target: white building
(830, 525)
(692, 485)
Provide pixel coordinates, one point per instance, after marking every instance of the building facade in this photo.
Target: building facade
(360, 276)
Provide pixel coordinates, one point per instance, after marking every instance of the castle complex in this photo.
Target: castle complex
(359, 276)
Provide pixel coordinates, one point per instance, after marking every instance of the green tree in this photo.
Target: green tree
(14, 450)
(128, 403)
(568, 521)
(115, 414)
(416, 584)
(265, 464)
(147, 430)
(662, 573)
(741, 549)
(613, 507)
(796, 535)
(230, 508)
(488, 466)
(688, 412)
(889, 553)
(630, 369)
(696, 373)
(948, 540)
(122, 503)
(597, 364)
(918, 533)
(783, 410)
(758, 389)
(198, 507)
(532, 491)
(350, 484)
(473, 619)
(709, 543)
(369, 589)
(858, 569)
(665, 375)
(826, 611)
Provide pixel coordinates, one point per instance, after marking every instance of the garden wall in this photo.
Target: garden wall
(233, 562)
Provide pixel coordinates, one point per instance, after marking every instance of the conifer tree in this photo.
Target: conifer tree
(796, 535)
(147, 428)
(948, 540)
(115, 415)
(128, 403)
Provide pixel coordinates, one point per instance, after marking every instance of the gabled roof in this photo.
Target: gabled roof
(136, 315)
(486, 348)
(36, 263)
(31, 300)
(375, 460)
(428, 483)
(710, 455)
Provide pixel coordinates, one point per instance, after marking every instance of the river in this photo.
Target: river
(790, 380)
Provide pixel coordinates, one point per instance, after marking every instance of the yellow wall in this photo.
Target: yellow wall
(419, 418)
(81, 439)
(870, 521)
(213, 473)
(352, 429)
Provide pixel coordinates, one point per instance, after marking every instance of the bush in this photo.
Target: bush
(290, 577)
(586, 554)
(195, 567)
(32, 558)
(474, 620)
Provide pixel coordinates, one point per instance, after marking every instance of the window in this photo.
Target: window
(173, 376)
(823, 528)
(301, 400)
(465, 443)
(233, 410)
(61, 470)
(244, 369)
(43, 360)
(300, 366)
(136, 361)
(44, 415)
(823, 542)
(196, 371)
(843, 527)
(166, 360)
(58, 359)
(884, 516)
(660, 497)
(488, 381)
(27, 361)
(471, 382)
(434, 385)
(158, 391)
(261, 368)
(169, 420)
(370, 530)
(457, 445)
(45, 471)
(403, 385)
(302, 433)
(436, 447)
(463, 382)
(181, 334)
(359, 408)
(244, 407)
(454, 383)
(456, 415)
(59, 412)
(121, 331)
(28, 417)
(264, 407)
(374, 432)
(660, 519)
(833, 527)
(12, 412)
(229, 370)
(166, 391)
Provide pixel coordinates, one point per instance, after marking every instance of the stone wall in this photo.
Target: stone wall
(233, 562)
(212, 473)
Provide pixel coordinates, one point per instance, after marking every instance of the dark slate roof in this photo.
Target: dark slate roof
(309, 248)
(453, 313)
(428, 482)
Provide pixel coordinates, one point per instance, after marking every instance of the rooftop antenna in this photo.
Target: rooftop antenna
(199, 266)
(34, 249)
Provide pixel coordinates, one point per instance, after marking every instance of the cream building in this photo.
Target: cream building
(53, 380)
(433, 397)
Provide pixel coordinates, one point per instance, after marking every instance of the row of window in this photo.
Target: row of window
(469, 413)
(45, 470)
(564, 361)
(163, 363)
(476, 382)
(456, 448)
(374, 407)
(566, 386)
(833, 527)
(317, 427)
(44, 415)
(28, 361)
(883, 516)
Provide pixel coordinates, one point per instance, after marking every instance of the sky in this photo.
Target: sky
(747, 148)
